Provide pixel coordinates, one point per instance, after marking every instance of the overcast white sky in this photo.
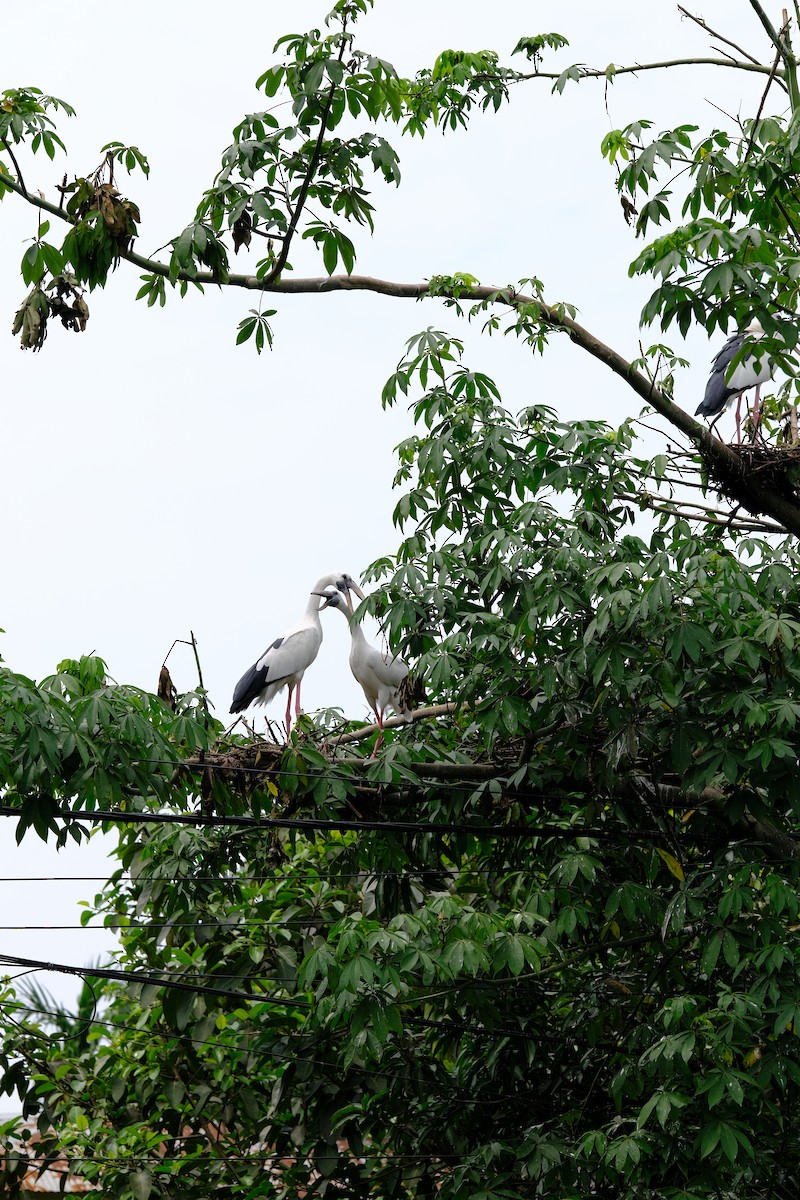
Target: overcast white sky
(155, 477)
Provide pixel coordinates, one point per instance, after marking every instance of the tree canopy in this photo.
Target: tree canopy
(544, 941)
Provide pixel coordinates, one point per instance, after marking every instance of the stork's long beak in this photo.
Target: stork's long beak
(357, 591)
(327, 599)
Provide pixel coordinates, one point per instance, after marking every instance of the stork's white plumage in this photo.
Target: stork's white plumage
(284, 662)
(380, 675)
(725, 385)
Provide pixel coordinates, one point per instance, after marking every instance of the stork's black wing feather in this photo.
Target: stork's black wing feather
(717, 391)
(253, 682)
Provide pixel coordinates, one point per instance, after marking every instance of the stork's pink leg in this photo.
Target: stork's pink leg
(739, 419)
(297, 700)
(756, 411)
(377, 746)
(289, 710)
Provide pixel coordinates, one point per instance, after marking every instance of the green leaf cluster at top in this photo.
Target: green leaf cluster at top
(272, 169)
(737, 251)
(24, 118)
(459, 80)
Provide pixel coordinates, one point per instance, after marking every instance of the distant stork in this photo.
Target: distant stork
(724, 385)
(381, 676)
(284, 662)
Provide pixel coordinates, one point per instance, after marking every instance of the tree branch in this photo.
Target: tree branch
(308, 178)
(760, 109)
(690, 510)
(773, 34)
(357, 735)
(780, 42)
(748, 491)
(596, 73)
(23, 190)
(782, 843)
(713, 33)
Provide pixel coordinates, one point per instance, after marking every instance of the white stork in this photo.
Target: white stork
(284, 662)
(724, 386)
(381, 676)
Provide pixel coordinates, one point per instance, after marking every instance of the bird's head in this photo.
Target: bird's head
(343, 583)
(335, 598)
(346, 584)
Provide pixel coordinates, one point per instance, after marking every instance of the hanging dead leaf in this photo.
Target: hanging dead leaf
(629, 209)
(167, 692)
(242, 231)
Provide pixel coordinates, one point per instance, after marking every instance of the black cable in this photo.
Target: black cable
(446, 1025)
(277, 1158)
(158, 981)
(291, 1053)
(200, 819)
(275, 877)
(208, 926)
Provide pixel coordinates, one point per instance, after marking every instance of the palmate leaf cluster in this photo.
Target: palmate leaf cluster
(572, 973)
(543, 943)
(727, 197)
(78, 741)
(281, 182)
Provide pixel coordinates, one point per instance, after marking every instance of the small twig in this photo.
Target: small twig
(10, 154)
(731, 518)
(273, 237)
(193, 644)
(788, 218)
(713, 33)
(757, 117)
(172, 647)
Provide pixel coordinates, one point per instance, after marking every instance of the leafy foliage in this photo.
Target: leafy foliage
(601, 993)
(545, 942)
(736, 251)
(77, 741)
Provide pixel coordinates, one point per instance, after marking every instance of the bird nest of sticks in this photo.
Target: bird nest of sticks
(774, 467)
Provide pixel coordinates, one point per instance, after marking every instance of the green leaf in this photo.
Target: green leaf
(141, 1184)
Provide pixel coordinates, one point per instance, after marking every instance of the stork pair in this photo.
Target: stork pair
(284, 663)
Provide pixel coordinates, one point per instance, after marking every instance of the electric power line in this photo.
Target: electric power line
(144, 979)
(118, 816)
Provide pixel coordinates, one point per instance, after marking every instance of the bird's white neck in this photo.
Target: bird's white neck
(356, 632)
(312, 609)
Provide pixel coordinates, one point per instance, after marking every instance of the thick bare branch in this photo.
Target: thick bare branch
(775, 37)
(721, 459)
(783, 844)
(780, 40)
(636, 68)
